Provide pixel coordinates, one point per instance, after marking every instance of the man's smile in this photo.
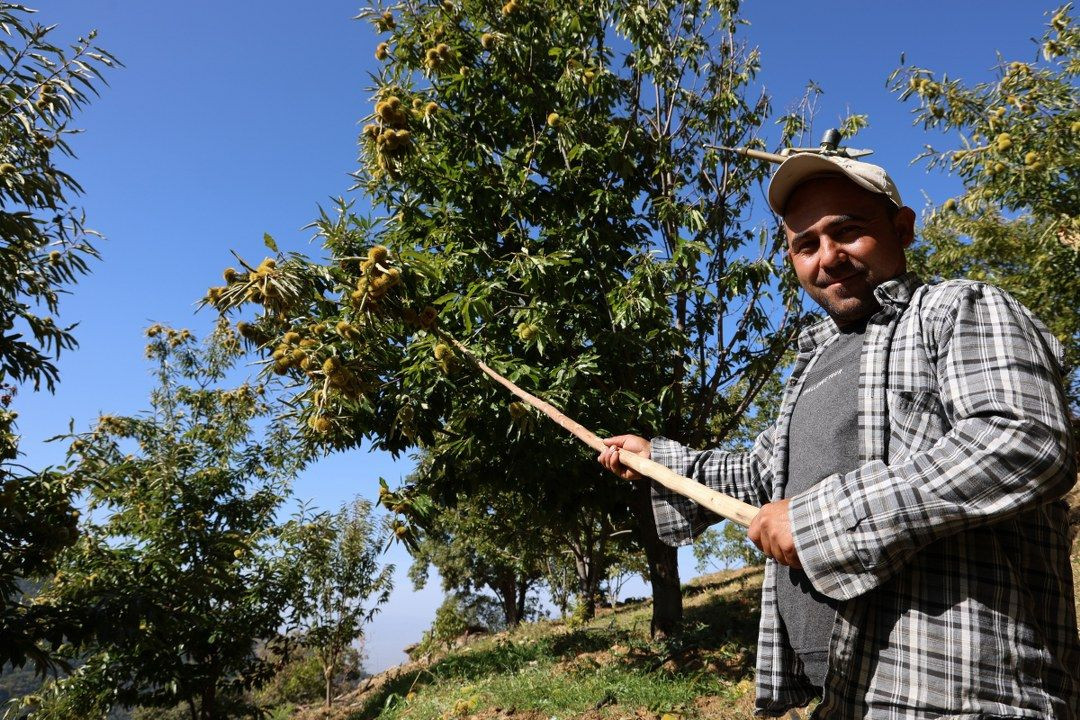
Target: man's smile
(829, 282)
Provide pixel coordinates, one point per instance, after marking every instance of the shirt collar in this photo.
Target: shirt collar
(897, 291)
(892, 295)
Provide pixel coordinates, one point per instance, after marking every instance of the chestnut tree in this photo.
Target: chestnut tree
(181, 571)
(44, 248)
(546, 194)
(1014, 142)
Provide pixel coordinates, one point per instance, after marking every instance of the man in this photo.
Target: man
(910, 487)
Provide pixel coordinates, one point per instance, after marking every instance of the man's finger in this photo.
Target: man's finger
(786, 555)
(609, 458)
(754, 532)
(767, 545)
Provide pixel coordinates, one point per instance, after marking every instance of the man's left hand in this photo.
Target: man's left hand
(770, 530)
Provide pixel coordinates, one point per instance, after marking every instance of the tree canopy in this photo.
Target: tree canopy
(182, 567)
(549, 199)
(44, 248)
(1016, 147)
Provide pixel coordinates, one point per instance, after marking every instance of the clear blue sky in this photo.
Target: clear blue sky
(232, 119)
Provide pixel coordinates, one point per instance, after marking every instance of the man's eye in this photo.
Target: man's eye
(849, 230)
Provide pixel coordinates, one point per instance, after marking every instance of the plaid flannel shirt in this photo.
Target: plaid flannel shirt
(947, 547)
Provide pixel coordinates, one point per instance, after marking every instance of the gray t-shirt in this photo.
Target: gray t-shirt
(823, 441)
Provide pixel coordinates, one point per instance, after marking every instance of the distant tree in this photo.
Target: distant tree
(343, 584)
(724, 547)
(592, 539)
(459, 614)
(559, 579)
(44, 248)
(181, 570)
(451, 621)
(482, 543)
(622, 571)
(301, 678)
(1016, 147)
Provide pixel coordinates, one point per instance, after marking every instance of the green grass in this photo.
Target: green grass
(607, 668)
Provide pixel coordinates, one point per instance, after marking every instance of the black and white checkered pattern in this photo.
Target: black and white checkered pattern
(947, 546)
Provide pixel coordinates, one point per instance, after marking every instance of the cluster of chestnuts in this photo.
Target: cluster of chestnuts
(376, 279)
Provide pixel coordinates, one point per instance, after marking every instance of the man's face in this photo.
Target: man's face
(843, 244)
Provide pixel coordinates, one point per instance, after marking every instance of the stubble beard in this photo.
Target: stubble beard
(846, 307)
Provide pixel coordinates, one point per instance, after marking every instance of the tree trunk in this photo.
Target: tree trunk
(506, 589)
(329, 668)
(523, 593)
(586, 589)
(209, 702)
(663, 565)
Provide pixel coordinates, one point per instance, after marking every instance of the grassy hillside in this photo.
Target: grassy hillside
(605, 669)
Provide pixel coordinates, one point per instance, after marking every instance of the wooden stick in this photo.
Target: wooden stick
(723, 505)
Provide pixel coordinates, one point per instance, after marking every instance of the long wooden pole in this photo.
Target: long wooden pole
(723, 505)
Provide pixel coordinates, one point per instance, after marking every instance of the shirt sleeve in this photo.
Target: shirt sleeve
(743, 475)
(1007, 449)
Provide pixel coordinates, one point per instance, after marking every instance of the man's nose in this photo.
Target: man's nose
(832, 253)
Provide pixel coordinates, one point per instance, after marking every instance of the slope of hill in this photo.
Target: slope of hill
(605, 669)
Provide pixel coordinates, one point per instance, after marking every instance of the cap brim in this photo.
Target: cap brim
(799, 168)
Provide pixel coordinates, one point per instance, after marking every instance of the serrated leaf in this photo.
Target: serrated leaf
(443, 299)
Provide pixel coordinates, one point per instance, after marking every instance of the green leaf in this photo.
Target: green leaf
(443, 299)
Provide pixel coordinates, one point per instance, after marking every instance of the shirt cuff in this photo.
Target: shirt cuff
(821, 526)
(671, 455)
(673, 514)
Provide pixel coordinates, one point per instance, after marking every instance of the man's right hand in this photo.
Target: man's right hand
(631, 443)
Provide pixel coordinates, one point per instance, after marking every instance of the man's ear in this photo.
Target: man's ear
(904, 224)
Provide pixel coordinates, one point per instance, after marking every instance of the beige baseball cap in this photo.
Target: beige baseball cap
(801, 167)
